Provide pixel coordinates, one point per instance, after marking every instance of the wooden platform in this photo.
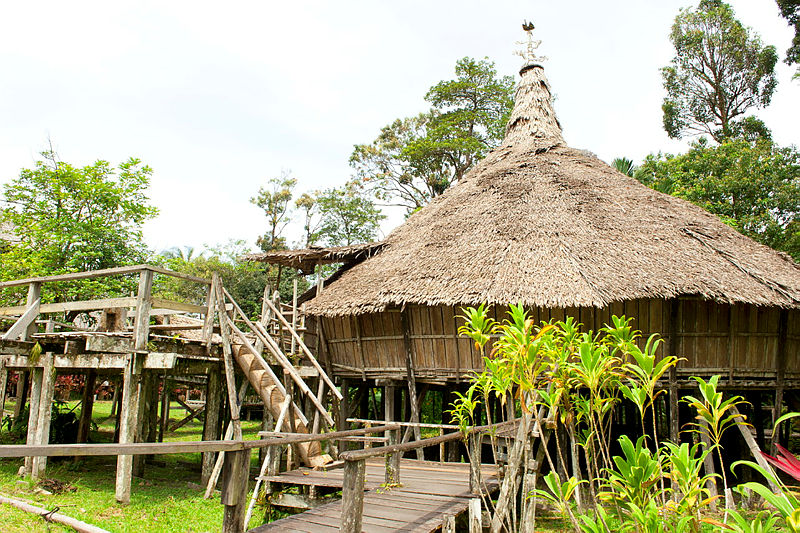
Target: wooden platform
(428, 492)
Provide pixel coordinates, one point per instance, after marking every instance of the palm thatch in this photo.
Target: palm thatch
(543, 224)
(308, 258)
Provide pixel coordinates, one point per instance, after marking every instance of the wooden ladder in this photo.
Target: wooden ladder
(278, 397)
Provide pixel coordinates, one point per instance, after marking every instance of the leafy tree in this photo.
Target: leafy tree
(70, 219)
(721, 70)
(308, 205)
(417, 158)
(275, 200)
(790, 9)
(245, 280)
(754, 186)
(347, 217)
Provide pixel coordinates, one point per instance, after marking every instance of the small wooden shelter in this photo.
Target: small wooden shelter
(554, 228)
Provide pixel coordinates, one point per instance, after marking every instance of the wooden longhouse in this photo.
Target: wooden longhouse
(554, 228)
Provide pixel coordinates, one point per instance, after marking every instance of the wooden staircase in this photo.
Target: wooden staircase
(248, 341)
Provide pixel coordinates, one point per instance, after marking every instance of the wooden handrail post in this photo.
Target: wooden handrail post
(235, 477)
(353, 496)
(474, 443)
(393, 459)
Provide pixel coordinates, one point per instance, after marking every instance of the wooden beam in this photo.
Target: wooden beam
(81, 305)
(21, 326)
(92, 274)
(162, 303)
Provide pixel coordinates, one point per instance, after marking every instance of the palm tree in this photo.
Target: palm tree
(625, 165)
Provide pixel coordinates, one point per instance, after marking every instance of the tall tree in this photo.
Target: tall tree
(68, 218)
(415, 159)
(790, 9)
(275, 200)
(347, 217)
(721, 70)
(753, 186)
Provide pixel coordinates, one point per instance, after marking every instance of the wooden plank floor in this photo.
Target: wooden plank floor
(428, 491)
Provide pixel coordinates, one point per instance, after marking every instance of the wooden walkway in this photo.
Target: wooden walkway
(428, 492)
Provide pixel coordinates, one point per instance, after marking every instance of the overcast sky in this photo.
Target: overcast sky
(219, 97)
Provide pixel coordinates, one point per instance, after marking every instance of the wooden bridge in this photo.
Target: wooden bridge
(428, 496)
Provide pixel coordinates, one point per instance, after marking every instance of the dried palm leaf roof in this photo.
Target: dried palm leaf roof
(308, 258)
(543, 224)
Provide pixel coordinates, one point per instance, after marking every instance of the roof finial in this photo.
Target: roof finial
(529, 54)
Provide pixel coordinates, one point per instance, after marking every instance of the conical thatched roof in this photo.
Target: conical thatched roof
(547, 225)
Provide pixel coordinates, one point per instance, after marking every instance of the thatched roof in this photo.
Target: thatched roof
(543, 224)
(308, 258)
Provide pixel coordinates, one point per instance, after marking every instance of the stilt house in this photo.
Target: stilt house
(554, 228)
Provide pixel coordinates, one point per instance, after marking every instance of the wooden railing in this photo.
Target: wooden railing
(27, 314)
(235, 469)
(355, 467)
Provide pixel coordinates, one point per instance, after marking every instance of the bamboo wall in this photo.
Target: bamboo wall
(738, 341)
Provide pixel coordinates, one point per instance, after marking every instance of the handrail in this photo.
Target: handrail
(91, 274)
(359, 455)
(163, 448)
(404, 424)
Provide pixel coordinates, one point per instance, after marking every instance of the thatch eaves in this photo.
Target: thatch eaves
(308, 258)
(542, 224)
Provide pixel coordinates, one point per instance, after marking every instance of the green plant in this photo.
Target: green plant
(558, 494)
(716, 416)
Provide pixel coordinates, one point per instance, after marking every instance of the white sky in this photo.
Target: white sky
(218, 97)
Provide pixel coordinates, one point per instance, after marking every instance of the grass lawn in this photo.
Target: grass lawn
(160, 502)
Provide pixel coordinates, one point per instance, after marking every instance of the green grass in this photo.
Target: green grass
(161, 501)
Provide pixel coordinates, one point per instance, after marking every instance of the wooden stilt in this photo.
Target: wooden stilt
(44, 414)
(412, 384)
(344, 406)
(146, 386)
(87, 402)
(235, 477)
(165, 401)
(674, 423)
(780, 370)
(33, 414)
(23, 378)
(211, 423)
(131, 384)
(3, 387)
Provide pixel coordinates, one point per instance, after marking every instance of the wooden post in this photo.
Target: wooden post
(780, 371)
(211, 429)
(449, 523)
(165, 402)
(475, 516)
(37, 374)
(235, 477)
(474, 443)
(708, 465)
(44, 415)
(412, 384)
(344, 406)
(131, 385)
(33, 419)
(353, 496)
(87, 402)
(3, 386)
(393, 459)
(22, 393)
(674, 423)
(146, 389)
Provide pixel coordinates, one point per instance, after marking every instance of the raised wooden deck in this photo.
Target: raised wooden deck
(428, 492)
